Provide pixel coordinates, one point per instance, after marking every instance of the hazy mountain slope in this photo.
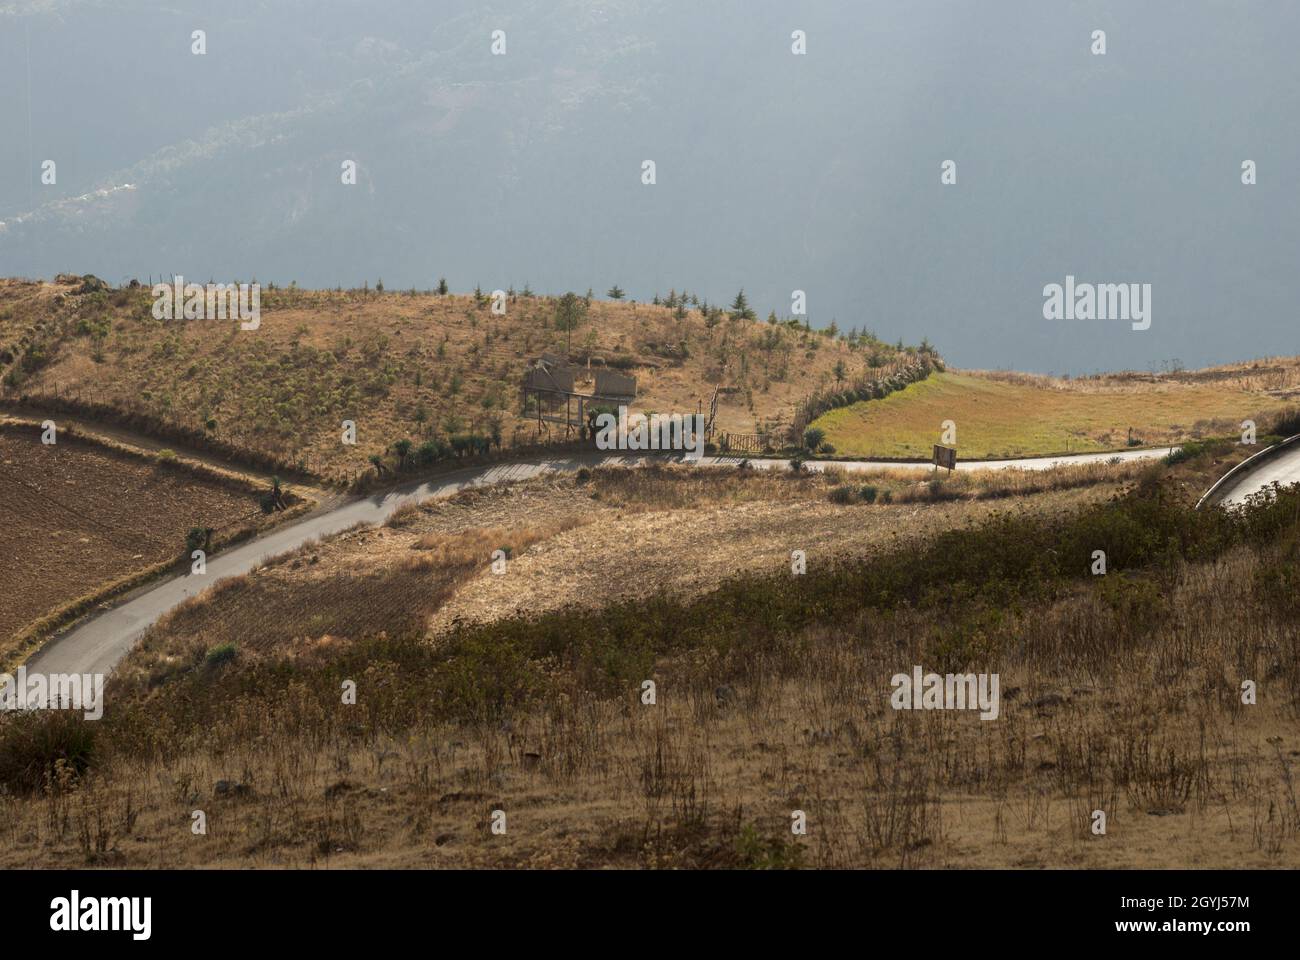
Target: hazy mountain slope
(775, 172)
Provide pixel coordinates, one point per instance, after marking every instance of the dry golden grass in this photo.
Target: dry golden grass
(399, 365)
(1100, 712)
(1120, 694)
(641, 548)
(1276, 376)
(586, 539)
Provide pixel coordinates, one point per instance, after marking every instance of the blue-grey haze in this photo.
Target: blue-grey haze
(775, 171)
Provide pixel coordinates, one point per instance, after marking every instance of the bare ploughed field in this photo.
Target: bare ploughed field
(77, 516)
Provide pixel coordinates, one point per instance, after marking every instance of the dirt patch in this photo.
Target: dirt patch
(691, 551)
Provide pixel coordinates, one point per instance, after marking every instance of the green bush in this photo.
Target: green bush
(403, 450)
(35, 357)
(1198, 448)
(753, 852)
(431, 451)
(1139, 602)
(842, 495)
(36, 745)
(222, 653)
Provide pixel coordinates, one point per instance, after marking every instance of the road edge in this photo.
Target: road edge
(1234, 476)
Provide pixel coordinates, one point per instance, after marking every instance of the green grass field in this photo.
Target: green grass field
(996, 418)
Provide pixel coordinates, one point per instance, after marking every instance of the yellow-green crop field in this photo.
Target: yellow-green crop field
(997, 418)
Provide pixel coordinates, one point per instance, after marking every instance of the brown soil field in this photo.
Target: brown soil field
(401, 365)
(79, 515)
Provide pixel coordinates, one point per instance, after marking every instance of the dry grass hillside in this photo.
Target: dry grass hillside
(589, 540)
(402, 365)
(1120, 693)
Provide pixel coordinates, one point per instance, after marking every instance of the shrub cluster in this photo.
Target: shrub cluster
(875, 388)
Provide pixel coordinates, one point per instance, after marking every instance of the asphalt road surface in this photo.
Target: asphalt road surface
(1282, 468)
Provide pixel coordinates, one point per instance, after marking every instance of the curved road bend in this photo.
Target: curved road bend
(1282, 469)
(96, 645)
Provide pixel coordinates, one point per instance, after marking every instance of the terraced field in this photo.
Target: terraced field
(78, 516)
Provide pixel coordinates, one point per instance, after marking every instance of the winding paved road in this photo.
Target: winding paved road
(1282, 468)
(96, 645)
